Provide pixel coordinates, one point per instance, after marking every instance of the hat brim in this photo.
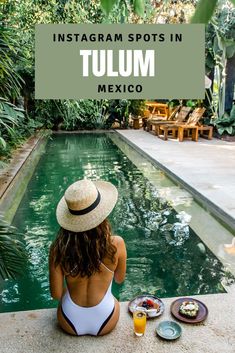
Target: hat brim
(82, 223)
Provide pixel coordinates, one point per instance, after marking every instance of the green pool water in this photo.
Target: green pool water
(165, 256)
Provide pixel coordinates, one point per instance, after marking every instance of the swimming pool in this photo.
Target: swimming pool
(165, 255)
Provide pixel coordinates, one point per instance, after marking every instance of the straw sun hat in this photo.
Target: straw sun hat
(86, 204)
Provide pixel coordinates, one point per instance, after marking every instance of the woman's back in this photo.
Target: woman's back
(87, 257)
(87, 304)
(89, 291)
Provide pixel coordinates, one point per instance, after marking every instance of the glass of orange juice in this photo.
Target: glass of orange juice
(139, 320)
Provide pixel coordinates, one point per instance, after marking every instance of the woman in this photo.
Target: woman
(86, 257)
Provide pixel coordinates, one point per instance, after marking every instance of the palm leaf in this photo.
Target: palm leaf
(139, 6)
(3, 143)
(10, 80)
(107, 5)
(204, 11)
(12, 254)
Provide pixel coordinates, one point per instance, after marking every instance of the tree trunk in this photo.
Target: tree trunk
(230, 82)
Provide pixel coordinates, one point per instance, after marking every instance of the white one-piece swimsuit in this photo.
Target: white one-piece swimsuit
(88, 320)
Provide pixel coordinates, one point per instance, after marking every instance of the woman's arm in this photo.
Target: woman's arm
(56, 279)
(120, 271)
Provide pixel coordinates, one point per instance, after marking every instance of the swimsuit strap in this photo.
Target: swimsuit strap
(106, 267)
(100, 263)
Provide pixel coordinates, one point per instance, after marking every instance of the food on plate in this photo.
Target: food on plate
(149, 304)
(189, 309)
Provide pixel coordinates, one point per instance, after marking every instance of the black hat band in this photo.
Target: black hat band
(88, 209)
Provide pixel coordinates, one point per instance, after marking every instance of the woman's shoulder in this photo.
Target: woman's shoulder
(116, 240)
(119, 243)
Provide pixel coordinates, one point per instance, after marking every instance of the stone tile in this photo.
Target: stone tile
(207, 167)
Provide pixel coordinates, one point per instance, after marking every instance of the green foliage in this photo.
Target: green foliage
(80, 114)
(47, 113)
(137, 107)
(12, 254)
(209, 44)
(17, 40)
(119, 111)
(11, 118)
(191, 103)
(226, 123)
(10, 81)
(204, 11)
(220, 45)
(139, 6)
(225, 21)
(83, 114)
(107, 5)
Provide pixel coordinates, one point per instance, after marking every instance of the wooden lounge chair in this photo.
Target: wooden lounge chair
(180, 117)
(153, 121)
(202, 129)
(191, 125)
(158, 109)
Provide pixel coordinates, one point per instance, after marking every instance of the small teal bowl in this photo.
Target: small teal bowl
(169, 330)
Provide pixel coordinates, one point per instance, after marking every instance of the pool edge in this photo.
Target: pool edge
(224, 218)
(36, 331)
(17, 174)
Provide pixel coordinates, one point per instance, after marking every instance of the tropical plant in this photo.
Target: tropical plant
(70, 111)
(10, 80)
(10, 118)
(192, 103)
(47, 113)
(220, 55)
(224, 48)
(138, 5)
(12, 253)
(205, 10)
(17, 40)
(137, 107)
(119, 111)
(203, 13)
(83, 114)
(226, 123)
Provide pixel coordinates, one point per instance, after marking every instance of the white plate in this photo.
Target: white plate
(136, 304)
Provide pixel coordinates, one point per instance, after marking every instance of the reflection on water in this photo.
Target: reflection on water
(165, 257)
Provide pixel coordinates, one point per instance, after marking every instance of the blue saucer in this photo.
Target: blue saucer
(169, 330)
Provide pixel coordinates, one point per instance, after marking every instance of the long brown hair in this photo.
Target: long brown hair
(81, 253)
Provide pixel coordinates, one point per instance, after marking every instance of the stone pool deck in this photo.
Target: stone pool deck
(206, 168)
(37, 332)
